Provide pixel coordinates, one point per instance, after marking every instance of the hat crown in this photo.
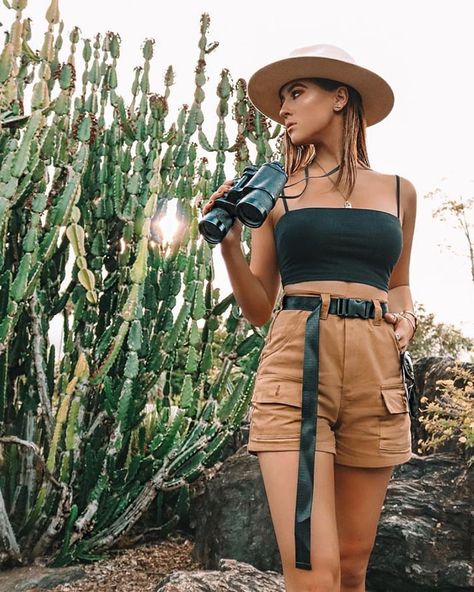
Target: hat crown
(323, 50)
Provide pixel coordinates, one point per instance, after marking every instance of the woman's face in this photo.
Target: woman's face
(310, 108)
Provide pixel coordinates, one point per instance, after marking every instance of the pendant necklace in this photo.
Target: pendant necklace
(347, 203)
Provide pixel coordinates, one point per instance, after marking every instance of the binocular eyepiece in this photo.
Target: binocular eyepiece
(250, 199)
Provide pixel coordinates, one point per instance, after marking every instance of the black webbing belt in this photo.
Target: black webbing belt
(346, 307)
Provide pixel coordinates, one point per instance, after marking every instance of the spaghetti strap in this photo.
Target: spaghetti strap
(285, 203)
(398, 196)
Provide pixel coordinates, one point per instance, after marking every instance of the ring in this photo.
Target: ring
(397, 335)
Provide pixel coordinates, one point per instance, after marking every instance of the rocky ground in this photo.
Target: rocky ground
(137, 568)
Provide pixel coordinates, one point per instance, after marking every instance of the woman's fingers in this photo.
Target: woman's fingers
(405, 336)
(222, 189)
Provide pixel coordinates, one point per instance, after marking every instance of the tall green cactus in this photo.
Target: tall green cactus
(136, 404)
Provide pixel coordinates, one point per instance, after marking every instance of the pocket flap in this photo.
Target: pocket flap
(277, 391)
(394, 397)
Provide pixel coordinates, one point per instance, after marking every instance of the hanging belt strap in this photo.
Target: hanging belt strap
(346, 307)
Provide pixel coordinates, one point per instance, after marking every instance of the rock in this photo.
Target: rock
(424, 538)
(18, 579)
(231, 576)
(235, 504)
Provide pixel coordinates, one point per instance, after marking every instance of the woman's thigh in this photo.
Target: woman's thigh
(279, 472)
(359, 495)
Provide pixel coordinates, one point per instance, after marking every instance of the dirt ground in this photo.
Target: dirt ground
(134, 569)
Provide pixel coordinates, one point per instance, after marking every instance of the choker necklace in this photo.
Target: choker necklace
(306, 177)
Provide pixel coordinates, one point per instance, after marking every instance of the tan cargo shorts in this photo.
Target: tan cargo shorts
(363, 415)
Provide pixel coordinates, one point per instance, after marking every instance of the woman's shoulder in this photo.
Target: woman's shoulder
(407, 188)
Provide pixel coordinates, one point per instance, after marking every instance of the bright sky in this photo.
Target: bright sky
(423, 49)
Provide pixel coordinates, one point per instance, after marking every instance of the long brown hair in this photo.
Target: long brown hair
(354, 148)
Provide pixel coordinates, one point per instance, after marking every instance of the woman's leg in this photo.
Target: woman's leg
(359, 497)
(279, 472)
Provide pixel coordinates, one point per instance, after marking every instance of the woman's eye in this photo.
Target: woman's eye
(291, 95)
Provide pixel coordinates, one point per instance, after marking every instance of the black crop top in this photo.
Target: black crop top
(349, 244)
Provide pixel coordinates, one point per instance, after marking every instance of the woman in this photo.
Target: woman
(332, 352)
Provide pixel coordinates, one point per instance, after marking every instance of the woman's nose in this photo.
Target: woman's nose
(283, 111)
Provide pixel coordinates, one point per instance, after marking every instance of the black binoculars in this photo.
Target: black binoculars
(250, 199)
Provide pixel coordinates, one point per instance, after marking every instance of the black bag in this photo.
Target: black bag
(408, 375)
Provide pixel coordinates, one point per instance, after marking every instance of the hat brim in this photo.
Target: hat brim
(263, 86)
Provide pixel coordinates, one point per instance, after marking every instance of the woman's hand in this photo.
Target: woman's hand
(402, 326)
(232, 238)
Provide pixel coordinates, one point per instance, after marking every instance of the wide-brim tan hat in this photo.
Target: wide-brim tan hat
(323, 61)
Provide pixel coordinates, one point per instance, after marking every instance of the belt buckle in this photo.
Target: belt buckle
(342, 306)
(357, 308)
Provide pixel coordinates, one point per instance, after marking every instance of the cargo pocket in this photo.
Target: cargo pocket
(276, 411)
(395, 435)
(283, 327)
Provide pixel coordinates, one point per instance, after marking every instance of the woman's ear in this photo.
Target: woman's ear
(340, 98)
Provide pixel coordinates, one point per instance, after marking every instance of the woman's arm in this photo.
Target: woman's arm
(247, 288)
(399, 294)
(255, 285)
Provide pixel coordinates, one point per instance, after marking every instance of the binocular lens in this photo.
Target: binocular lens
(215, 225)
(253, 209)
